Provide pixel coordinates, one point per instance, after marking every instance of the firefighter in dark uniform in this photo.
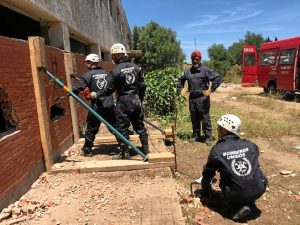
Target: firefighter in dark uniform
(128, 84)
(241, 178)
(201, 82)
(101, 100)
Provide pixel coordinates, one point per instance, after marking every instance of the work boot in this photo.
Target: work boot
(87, 152)
(241, 214)
(124, 154)
(208, 141)
(145, 146)
(121, 155)
(196, 136)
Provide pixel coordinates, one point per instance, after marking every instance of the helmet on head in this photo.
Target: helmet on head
(93, 58)
(118, 48)
(196, 54)
(230, 122)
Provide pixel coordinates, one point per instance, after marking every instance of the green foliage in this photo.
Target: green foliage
(235, 53)
(217, 52)
(253, 39)
(162, 94)
(233, 75)
(159, 46)
(135, 38)
(222, 59)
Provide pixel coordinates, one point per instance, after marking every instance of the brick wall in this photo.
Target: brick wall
(21, 151)
(60, 129)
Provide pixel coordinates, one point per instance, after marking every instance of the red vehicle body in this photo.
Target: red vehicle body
(276, 67)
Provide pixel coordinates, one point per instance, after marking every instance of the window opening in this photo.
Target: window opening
(9, 121)
(57, 111)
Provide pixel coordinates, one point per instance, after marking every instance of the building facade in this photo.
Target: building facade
(81, 26)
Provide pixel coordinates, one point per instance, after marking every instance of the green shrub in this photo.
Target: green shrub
(233, 75)
(161, 94)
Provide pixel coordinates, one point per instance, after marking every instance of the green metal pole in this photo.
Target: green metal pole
(61, 84)
(153, 125)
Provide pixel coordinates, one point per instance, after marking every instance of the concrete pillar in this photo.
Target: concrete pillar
(59, 35)
(95, 48)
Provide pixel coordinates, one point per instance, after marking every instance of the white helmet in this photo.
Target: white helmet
(231, 123)
(93, 58)
(118, 48)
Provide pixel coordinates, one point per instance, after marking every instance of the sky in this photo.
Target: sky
(201, 23)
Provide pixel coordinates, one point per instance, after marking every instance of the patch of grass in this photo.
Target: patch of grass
(260, 124)
(254, 124)
(233, 75)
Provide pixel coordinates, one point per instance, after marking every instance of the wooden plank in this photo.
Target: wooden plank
(161, 157)
(108, 166)
(37, 58)
(68, 57)
(112, 139)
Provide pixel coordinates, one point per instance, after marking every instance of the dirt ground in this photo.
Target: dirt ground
(156, 196)
(111, 198)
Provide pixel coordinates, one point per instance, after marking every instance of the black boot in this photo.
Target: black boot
(87, 152)
(196, 136)
(124, 154)
(145, 146)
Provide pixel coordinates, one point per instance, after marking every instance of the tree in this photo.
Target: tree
(235, 52)
(217, 52)
(159, 46)
(276, 39)
(268, 39)
(135, 38)
(253, 39)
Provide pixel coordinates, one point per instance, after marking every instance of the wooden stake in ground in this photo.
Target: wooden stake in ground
(37, 58)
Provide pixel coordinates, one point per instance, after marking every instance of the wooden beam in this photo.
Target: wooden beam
(37, 58)
(69, 60)
(111, 138)
(107, 166)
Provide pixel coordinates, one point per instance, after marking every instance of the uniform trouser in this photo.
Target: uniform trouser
(199, 110)
(129, 110)
(238, 199)
(93, 124)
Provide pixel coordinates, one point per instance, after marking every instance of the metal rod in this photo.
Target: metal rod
(153, 125)
(61, 84)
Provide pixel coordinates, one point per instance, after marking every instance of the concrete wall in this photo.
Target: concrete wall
(95, 22)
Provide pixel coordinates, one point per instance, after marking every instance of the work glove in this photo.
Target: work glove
(87, 93)
(93, 95)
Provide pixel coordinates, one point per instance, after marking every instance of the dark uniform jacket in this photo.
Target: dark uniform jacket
(237, 161)
(128, 80)
(97, 81)
(198, 80)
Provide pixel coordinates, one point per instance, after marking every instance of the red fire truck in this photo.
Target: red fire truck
(275, 68)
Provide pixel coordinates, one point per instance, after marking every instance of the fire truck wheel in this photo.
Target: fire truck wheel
(271, 88)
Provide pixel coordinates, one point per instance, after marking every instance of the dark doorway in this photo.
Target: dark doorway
(79, 47)
(16, 25)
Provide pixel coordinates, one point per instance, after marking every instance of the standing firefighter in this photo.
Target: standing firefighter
(101, 100)
(128, 82)
(201, 82)
(242, 180)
